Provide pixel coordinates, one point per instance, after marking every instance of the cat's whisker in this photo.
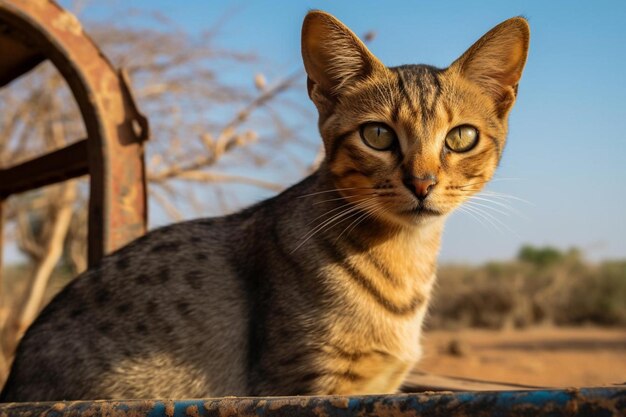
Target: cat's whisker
(371, 212)
(366, 207)
(357, 220)
(500, 204)
(492, 194)
(480, 213)
(378, 215)
(383, 194)
(334, 190)
(474, 216)
(486, 181)
(350, 207)
(462, 187)
(319, 227)
(327, 222)
(360, 220)
(347, 204)
(344, 198)
(366, 210)
(504, 196)
(488, 214)
(355, 223)
(509, 209)
(476, 204)
(374, 213)
(467, 191)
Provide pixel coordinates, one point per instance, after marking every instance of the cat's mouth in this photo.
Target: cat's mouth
(420, 210)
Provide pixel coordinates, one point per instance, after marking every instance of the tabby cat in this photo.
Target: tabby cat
(319, 290)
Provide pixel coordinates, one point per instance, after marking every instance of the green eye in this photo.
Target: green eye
(462, 138)
(377, 136)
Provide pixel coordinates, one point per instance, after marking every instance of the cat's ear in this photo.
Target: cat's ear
(334, 57)
(495, 62)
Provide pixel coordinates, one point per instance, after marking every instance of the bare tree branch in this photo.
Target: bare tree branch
(208, 177)
(205, 122)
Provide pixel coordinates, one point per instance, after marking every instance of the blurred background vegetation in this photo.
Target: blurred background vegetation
(542, 286)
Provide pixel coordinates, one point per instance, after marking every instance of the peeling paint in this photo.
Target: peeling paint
(580, 402)
(192, 411)
(69, 23)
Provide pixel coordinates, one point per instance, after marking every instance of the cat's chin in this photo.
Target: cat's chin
(418, 216)
(421, 212)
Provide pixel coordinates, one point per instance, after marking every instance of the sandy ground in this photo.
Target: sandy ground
(545, 357)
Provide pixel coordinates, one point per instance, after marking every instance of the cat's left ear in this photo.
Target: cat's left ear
(334, 57)
(495, 62)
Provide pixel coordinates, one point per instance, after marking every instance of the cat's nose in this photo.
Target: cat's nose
(421, 186)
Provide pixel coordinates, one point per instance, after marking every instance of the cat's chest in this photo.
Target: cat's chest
(375, 373)
(373, 331)
(372, 353)
(384, 289)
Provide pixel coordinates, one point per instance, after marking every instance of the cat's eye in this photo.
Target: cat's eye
(462, 138)
(378, 136)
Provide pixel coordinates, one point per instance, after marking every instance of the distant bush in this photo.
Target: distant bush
(542, 286)
(540, 257)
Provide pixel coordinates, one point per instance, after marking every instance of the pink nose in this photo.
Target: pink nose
(421, 186)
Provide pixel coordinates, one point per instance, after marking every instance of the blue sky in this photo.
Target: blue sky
(566, 151)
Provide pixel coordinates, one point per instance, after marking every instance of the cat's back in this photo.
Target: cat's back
(160, 313)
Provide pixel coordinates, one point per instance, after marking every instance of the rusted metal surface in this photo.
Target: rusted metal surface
(16, 56)
(60, 165)
(1, 241)
(34, 29)
(584, 402)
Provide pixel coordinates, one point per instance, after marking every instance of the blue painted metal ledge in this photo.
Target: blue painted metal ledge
(583, 402)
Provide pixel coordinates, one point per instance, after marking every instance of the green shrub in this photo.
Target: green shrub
(543, 286)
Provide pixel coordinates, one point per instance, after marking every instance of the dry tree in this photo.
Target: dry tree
(216, 124)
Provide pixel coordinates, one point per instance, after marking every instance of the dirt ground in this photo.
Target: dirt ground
(544, 357)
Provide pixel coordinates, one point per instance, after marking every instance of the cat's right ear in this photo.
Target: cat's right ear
(334, 57)
(496, 61)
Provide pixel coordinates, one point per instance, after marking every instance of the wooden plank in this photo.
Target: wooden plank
(59, 165)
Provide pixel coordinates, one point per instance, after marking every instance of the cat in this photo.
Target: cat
(319, 290)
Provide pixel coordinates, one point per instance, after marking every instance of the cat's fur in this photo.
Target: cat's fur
(283, 298)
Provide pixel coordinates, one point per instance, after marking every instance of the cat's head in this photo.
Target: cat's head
(411, 142)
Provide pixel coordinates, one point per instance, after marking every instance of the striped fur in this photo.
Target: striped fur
(319, 290)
